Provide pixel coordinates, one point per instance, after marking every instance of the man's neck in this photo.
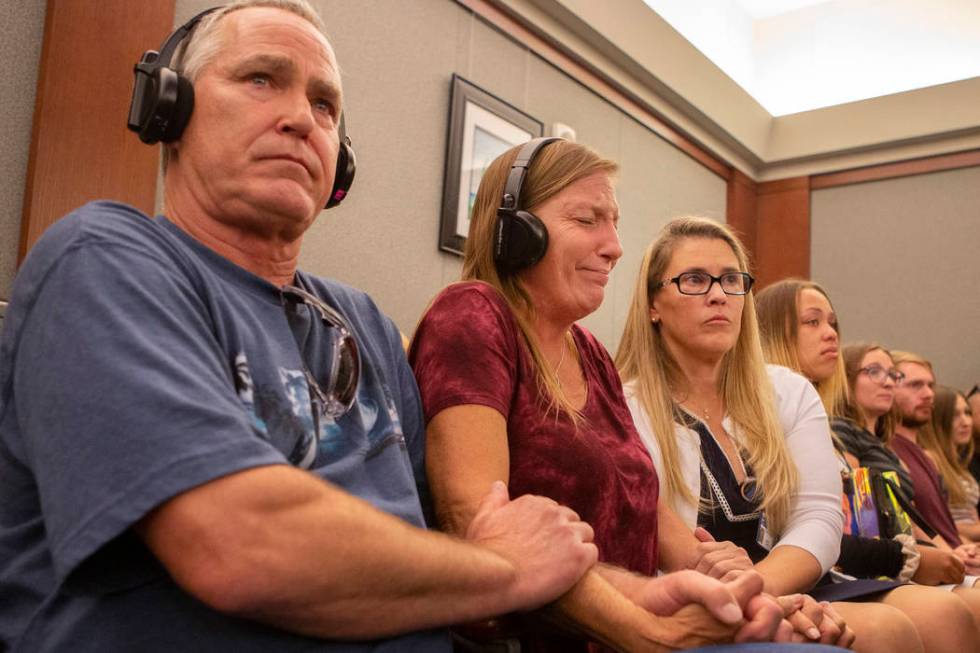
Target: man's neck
(907, 432)
(265, 255)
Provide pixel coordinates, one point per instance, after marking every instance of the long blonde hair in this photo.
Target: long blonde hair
(644, 358)
(778, 307)
(558, 165)
(937, 437)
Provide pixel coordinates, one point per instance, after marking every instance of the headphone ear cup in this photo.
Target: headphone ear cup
(167, 100)
(520, 241)
(181, 109)
(344, 174)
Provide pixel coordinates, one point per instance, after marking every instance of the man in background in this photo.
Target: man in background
(914, 402)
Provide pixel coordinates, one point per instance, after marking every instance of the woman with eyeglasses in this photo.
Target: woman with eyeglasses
(867, 427)
(800, 330)
(949, 442)
(743, 450)
(515, 390)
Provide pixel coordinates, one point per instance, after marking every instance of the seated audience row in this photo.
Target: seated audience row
(233, 454)
(514, 390)
(490, 356)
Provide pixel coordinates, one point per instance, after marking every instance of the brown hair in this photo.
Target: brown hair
(937, 438)
(555, 167)
(853, 355)
(778, 308)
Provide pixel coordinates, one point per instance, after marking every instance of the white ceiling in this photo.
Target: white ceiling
(799, 55)
(767, 8)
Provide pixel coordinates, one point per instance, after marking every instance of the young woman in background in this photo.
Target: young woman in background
(949, 442)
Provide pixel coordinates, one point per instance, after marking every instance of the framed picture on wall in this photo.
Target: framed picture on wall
(481, 127)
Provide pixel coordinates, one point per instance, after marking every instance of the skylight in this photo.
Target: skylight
(798, 55)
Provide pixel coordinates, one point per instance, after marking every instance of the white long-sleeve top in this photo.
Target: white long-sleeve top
(816, 520)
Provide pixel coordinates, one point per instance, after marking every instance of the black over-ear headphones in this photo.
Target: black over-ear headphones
(163, 101)
(520, 239)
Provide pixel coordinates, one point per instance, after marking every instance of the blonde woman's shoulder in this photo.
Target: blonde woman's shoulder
(796, 398)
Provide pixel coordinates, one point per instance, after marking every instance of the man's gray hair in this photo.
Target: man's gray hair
(201, 47)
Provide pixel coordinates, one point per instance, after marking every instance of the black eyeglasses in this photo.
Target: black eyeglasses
(877, 373)
(974, 390)
(344, 366)
(699, 283)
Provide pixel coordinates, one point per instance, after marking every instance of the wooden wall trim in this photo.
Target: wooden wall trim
(967, 159)
(783, 185)
(783, 230)
(80, 147)
(584, 72)
(741, 212)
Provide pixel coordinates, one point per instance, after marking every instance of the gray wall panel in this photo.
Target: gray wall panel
(657, 183)
(899, 258)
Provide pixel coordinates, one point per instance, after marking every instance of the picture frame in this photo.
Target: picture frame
(481, 127)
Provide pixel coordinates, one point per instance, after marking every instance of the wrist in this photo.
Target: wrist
(632, 586)
(911, 555)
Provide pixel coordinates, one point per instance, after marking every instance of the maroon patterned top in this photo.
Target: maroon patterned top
(930, 498)
(469, 350)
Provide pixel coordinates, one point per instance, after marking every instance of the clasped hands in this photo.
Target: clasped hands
(805, 619)
(723, 602)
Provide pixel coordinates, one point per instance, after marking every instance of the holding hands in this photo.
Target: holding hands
(712, 611)
(804, 618)
(970, 556)
(547, 544)
(721, 560)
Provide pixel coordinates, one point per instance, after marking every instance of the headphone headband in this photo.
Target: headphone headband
(511, 200)
(170, 46)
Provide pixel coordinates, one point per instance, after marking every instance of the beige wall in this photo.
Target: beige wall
(397, 59)
(901, 260)
(20, 50)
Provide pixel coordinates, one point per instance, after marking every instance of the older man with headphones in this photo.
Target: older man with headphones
(203, 447)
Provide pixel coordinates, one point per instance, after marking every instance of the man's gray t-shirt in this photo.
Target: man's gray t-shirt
(136, 364)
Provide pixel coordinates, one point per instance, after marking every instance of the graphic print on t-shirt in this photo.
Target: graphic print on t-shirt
(282, 414)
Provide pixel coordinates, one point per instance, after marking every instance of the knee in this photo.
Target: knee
(970, 598)
(884, 628)
(944, 622)
(946, 610)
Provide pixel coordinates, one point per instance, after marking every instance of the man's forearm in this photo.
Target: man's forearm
(276, 545)
(626, 582)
